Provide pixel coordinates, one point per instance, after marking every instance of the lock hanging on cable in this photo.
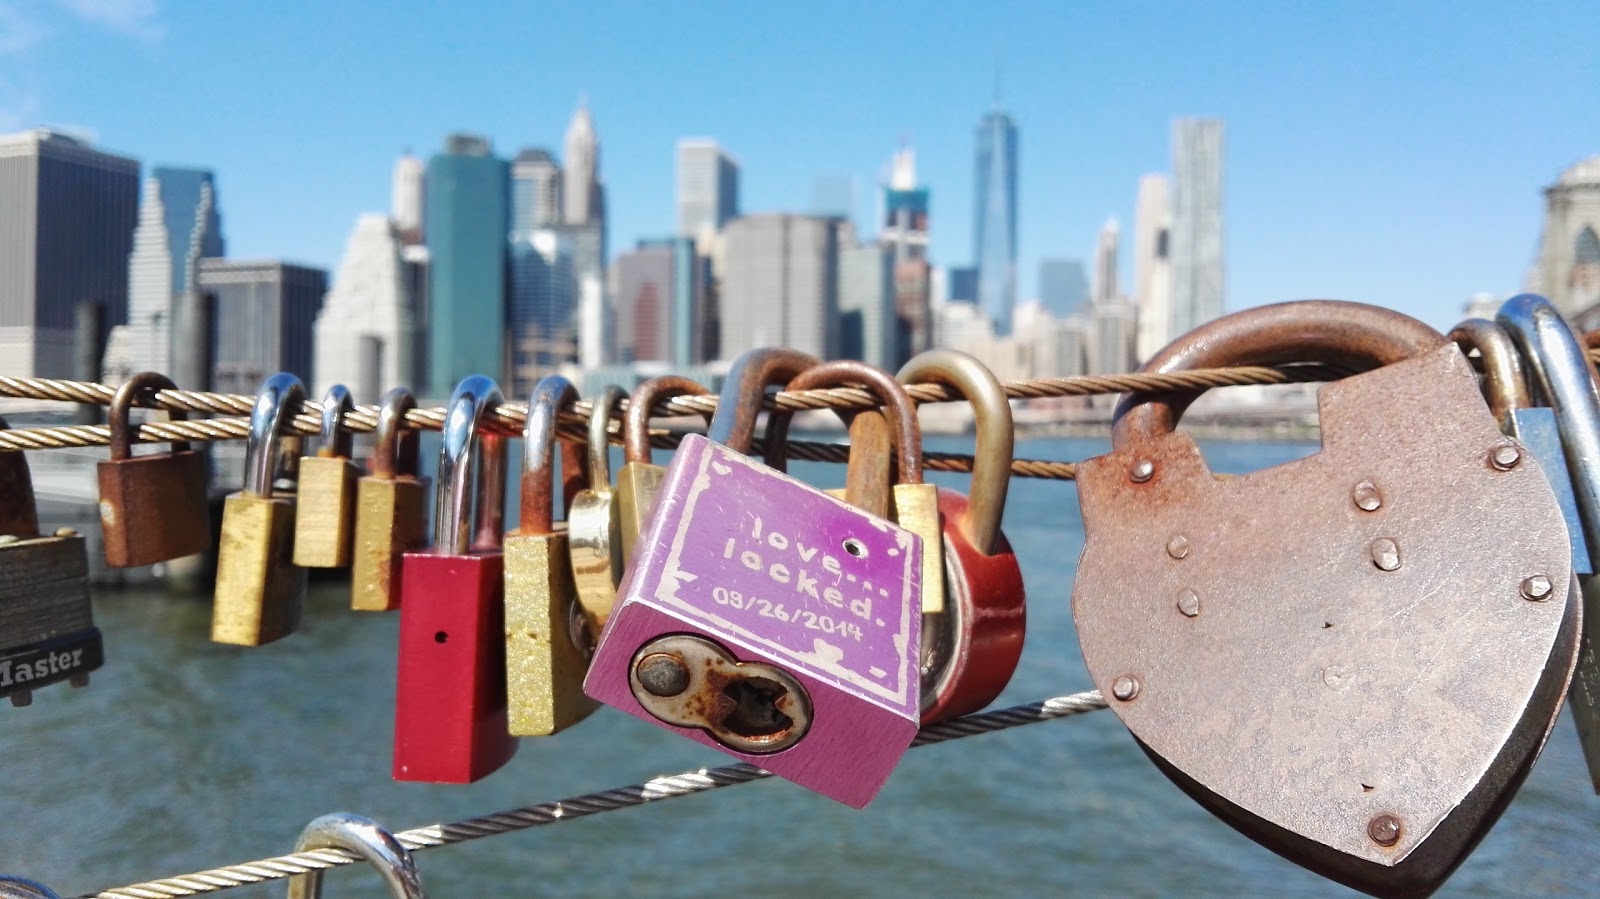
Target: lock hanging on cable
(325, 509)
(391, 509)
(153, 508)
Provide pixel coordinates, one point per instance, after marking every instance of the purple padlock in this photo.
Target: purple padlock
(765, 618)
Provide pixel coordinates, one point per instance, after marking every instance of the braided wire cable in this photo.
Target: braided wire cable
(668, 787)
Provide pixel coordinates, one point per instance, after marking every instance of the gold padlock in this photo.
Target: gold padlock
(640, 478)
(593, 519)
(324, 517)
(391, 509)
(548, 643)
(259, 590)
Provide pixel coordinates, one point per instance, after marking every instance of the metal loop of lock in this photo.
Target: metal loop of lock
(1251, 643)
(1505, 386)
(593, 522)
(764, 618)
(971, 650)
(259, 591)
(641, 477)
(548, 642)
(337, 440)
(1564, 375)
(469, 509)
(366, 838)
(14, 887)
(391, 515)
(398, 447)
(132, 488)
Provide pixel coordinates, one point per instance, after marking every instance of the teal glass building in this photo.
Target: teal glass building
(468, 216)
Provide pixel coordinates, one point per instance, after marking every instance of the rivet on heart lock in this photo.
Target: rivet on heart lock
(1342, 661)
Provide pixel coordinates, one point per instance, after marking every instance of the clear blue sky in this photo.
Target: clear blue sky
(1392, 153)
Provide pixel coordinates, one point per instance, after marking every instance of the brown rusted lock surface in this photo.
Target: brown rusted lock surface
(1341, 656)
(152, 508)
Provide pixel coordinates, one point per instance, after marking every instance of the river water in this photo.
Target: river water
(185, 755)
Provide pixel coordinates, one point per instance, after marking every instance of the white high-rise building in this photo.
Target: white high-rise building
(1111, 350)
(365, 334)
(867, 305)
(594, 338)
(1197, 272)
(708, 188)
(780, 284)
(1152, 265)
(580, 200)
(1105, 261)
(406, 193)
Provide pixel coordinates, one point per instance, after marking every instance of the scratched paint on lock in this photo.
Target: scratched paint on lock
(760, 556)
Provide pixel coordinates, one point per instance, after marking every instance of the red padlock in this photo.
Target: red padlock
(971, 649)
(450, 701)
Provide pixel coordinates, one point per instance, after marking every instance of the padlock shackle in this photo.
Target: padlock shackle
(598, 453)
(535, 513)
(906, 433)
(364, 837)
(1561, 369)
(398, 446)
(277, 402)
(1505, 386)
(142, 386)
(636, 426)
(1336, 332)
(337, 440)
(995, 441)
(739, 403)
(463, 444)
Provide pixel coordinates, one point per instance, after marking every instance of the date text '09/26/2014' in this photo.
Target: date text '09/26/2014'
(769, 609)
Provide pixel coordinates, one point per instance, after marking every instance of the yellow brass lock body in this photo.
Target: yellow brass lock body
(324, 519)
(391, 509)
(593, 520)
(640, 477)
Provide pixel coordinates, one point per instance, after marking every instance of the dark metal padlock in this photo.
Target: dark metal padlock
(450, 697)
(971, 649)
(1340, 656)
(764, 618)
(152, 508)
(47, 631)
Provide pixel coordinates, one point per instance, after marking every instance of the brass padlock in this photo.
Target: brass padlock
(324, 515)
(391, 509)
(152, 508)
(593, 521)
(548, 642)
(47, 631)
(640, 478)
(259, 590)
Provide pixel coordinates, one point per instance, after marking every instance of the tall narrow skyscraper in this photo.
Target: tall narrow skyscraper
(1152, 267)
(708, 187)
(905, 235)
(1105, 261)
(994, 220)
(468, 220)
(179, 224)
(583, 202)
(780, 285)
(406, 193)
(67, 215)
(1197, 273)
(535, 192)
(366, 331)
(541, 312)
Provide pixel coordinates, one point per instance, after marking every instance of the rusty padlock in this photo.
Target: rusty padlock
(1562, 370)
(764, 618)
(47, 631)
(259, 590)
(325, 510)
(391, 509)
(450, 695)
(971, 649)
(640, 478)
(593, 519)
(1339, 656)
(548, 640)
(152, 508)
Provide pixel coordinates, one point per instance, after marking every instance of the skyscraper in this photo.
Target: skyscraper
(179, 224)
(1063, 287)
(1196, 242)
(535, 192)
(467, 222)
(541, 323)
(1567, 270)
(67, 215)
(869, 329)
(1105, 262)
(584, 217)
(406, 194)
(365, 332)
(265, 313)
(905, 233)
(708, 187)
(780, 284)
(994, 219)
(661, 291)
(1152, 265)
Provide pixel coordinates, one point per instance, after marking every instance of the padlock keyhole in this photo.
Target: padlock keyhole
(755, 713)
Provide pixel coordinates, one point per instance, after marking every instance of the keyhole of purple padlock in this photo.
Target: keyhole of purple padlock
(692, 682)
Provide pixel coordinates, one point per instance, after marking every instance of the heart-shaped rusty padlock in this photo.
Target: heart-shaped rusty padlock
(1339, 656)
